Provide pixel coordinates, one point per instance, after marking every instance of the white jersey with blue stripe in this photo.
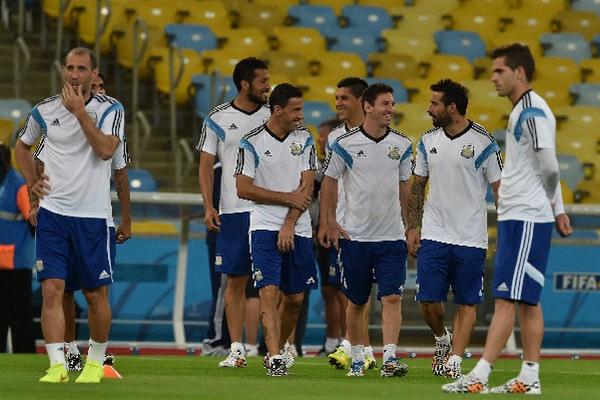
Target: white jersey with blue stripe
(531, 127)
(221, 133)
(341, 202)
(276, 164)
(79, 180)
(372, 169)
(459, 169)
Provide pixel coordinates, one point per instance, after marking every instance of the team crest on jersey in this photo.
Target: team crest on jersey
(93, 116)
(468, 151)
(394, 153)
(296, 149)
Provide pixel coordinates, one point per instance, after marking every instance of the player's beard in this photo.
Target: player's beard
(441, 121)
(260, 100)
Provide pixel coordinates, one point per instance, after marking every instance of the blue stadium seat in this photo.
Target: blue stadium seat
(352, 40)
(596, 43)
(462, 43)
(318, 17)
(212, 90)
(317, 112)
(15, 110)
(191, 36)
(571, 170)
(566, 44)
(141, 180)
(400, 92)
(586, 5)
(586, 94)
(375, 19)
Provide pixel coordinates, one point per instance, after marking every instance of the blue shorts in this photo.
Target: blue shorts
(293, 272)
(70, 283)
(441, 266)
(74, 248)
(334, 276)
(521, 259)
(233, 246)
(366, 262)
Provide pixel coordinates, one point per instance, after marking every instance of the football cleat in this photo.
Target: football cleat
(370, 362)
(74, 362)
(109, 359)
(357, 368)
(339, 358)
(235, 359)
(277, 367)
(452, 369)
(92, 372)
(515, 385)
(466, 384)
(55, 374)
(393, 367)
(440, 356)
(288, 354)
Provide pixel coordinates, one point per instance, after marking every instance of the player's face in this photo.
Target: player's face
(347, 104)
(78, 71)
(292, 114)
(504, 78)
(438, 111)
(259, 87)
(383, 109)
(98, 85)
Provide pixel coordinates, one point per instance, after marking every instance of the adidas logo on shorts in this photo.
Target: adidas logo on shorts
(502, 287)
(104, 275)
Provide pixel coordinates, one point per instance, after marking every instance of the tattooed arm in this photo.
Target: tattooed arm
(415, 214)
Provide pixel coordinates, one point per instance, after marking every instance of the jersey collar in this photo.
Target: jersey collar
(461, 133)
(244, 111)
(376, 140)
(274, 136)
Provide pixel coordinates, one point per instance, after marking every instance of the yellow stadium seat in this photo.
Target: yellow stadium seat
(211, 13)
(485, 22)
(490, 117)
(445, 6)
(337, 5)
(262, 16)
(52, 9)
(546, 8)
(337, 64)
(123, 37)
(85, 20)
(585, 145)
(190, 62)
(417, 45)
(577, 118)
(422, 21)
(530, 25)
(567, 193)
(558, 69)
(223, 61)
(153, 228)
(516, 35)
(555, 92)
(284, 4)
(482, 93)
(590, 70)
(393, 7)
(590, 190)
(276, 79)
(419, 90)
(7, 128)
(316, 88)
(252, 40)
(440, 66)
(289, 64)
(395, 66)
(154, 12)
(585, 22)
(499, 6)
(412, 120)
(305, 41)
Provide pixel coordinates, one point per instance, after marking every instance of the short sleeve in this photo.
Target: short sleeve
(247, 159)
(493, 163)
(112, 121)
(309, 155)
(421, 165)
(210, 135)
(34, 127)
(120, 157)
(338, 160)
(406, 163)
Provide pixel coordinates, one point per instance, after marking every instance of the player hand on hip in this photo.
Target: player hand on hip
(73, 100)
(413, 241)
(285, 237)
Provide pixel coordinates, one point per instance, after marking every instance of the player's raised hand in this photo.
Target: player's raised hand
(563, 225)
(73, 99)
(299, 199)
(212, 219)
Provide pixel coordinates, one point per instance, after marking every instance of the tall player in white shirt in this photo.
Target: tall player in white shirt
(530, 203)
(221, 133)
(459, 159)
(375, 162)
(82, 130)
(276, 170)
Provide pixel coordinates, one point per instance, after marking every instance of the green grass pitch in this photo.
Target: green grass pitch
(186, 377)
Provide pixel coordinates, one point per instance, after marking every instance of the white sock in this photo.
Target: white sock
(389, 351)
(346, 346)
(482, 370)
(330, 344)
(56, 353)
(444, 338)
(369, 352)
(358, 353)
(237, 346)
(530, 372)
(72, 348)
(249, 347)
(454, 359)
(97, 350)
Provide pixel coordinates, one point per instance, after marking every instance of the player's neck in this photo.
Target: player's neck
(374, 129)
(457, 126)
(355, 120)
(519, 91)
(244, 104)
(276, 129)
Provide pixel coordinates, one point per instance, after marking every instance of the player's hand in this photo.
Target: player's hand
(563, 225)
(41, 187)
(298, 198)
(73, 100)
(333, 234)
(413, 241)
(285, 238)
(33, 216)
(123, 232)
(212, 219)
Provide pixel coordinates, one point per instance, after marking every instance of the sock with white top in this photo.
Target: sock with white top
(445, 338)
(330, 344)
(56, 353)
(358, 353)
(369, 352)
(72, 348)
(530, 372)
(482, 370)
(96, 351)
(346, 346)
(389, 351)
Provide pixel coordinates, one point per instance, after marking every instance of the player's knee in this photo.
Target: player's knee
(95, 296)
(293, 302)
(391, 300)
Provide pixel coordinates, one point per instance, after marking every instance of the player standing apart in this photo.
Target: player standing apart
(375, 164)
(459, 159)
(530, 202)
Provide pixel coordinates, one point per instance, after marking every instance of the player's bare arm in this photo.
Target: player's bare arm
(415, 213)
(299, 198)
(123, 232)
(103, 145)
(285, 238)
(329, 230)
(37, 187)
(495, 191)
(206, 176)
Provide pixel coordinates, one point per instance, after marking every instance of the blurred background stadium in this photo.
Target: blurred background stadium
(170, 62)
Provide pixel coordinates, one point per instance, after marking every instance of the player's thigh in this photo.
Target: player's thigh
(390, 266)
(52, 245)
(92, 248)
(233, 245)
(356, 271)
(298, 271)
(466, 276)
(266, 259)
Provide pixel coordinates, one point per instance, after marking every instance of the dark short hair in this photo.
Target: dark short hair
(245, 70)
(454, 92)
(372, 91)
(83, 50)
(516, 55)
(282, 94)
(356, 85)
